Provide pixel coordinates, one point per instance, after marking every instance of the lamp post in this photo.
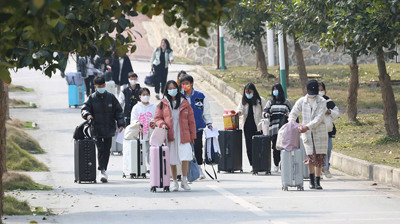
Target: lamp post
(282, 61)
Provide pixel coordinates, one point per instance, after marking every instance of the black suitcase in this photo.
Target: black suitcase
(261, 154)
(230, 143)
(85, 161)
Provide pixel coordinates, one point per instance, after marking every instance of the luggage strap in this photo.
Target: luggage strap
(215, 174)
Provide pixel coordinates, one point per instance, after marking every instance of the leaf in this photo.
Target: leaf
(118, 12)
(4, 73)
(38, 3)
(104, 26)
(70, 16)
(133, 49)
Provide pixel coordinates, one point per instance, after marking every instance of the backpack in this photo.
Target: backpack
(82, 131)
(82, 67)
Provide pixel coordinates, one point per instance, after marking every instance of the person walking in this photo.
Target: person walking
(251, 107)
(312, 109)
(202, 115)
(160, 59)
(120, 67)
(277, 111)
(129, 97)
(144, 112)
(175, 114)
(180, 75)
(104, 109)
(332, 113)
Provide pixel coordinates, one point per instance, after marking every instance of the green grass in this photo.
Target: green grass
(23, 140)
(15, 181)
(12, 206)
(17, 88)
(22, 124)
(180, 60)
(20, 103)
(335, 77)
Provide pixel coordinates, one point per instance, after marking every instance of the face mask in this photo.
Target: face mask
(172, 92)
(275, 92)
(312, 96)
(145, 98)
(101, 90)
(321, 93)
(186, 88)
(132, 82)
(249, 96)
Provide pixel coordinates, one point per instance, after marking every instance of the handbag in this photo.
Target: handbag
(194, 170)
(132, 130)
(158, 137)
(82, 131)
(288, 137)
(149, 80)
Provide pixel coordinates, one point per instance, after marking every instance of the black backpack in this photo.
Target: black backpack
(82, 131)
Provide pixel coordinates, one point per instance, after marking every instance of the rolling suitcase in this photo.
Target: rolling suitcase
(306, 172)
(85, 160)
(292, 169)
(134, 158)
(261, 154)
(230, 143)
(159, 168)
(76, 95)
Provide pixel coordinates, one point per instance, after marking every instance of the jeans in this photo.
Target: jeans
(328, 154)
(103, 152)
(198, 147)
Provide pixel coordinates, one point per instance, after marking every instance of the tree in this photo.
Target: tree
(30, 31)
(247, 25)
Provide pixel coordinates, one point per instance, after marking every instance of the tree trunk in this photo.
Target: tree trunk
(301, 67)
(262, 63)
(389, 103)
(3, 110)
(286, 52)
(352, 95)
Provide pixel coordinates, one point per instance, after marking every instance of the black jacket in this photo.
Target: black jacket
(105, 110)
(126, 68)
(131, 99)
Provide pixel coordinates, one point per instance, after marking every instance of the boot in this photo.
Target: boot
(312, 181)
(317, 183)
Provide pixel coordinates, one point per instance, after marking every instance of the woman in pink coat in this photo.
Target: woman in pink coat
(175, 113)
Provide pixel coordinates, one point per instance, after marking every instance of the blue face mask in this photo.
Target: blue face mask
(249, 95)
(275, 92)
(172, 92)
(101, 90)
(312, 96)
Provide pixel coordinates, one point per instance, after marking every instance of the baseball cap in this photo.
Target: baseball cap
(312, 87)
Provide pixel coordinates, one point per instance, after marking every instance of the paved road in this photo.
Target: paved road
(236, 198)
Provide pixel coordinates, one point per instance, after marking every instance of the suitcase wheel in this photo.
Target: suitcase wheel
(285, 188)
(153, 189)
(144, 176)
(95, 181)
(241, 171)
(218, 171)
(268, 173)
(75, 181)
(133, 175)
(123, 176)
(166, 189)
(255, 173)
(76, 106)
(80, 182)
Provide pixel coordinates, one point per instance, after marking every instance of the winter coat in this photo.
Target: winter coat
(155, 58)
(315, 121)
(144, 114)
(116, 70)
(105, 110)
(257, 112)
(201, 109)
(187, 123)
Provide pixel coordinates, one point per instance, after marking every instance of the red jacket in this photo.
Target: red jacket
(186, 120)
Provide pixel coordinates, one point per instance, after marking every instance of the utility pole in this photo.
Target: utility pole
(282, 61)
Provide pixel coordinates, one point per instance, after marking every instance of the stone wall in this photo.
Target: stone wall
(236, 54)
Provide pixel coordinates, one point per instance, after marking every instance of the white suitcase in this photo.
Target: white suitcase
(134, 158)
(292, 169)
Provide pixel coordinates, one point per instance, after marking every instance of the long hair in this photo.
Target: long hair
(256, 96)
(168, 48)
(281, 94)
(323, 86)
(177, 97)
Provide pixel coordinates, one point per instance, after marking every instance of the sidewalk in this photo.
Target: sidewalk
(236, 198)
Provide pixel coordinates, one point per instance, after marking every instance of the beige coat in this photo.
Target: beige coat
(315, 121)
(257, 109)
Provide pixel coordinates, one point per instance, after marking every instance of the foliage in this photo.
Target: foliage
(14, 207)
(15, 181)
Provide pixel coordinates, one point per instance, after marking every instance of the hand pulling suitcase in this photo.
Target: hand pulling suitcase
(261, 151)
(292, 169)
(306, 172)
(76, 95)
(230, 143)
(159, 168)
(134, 158)
(85, 158)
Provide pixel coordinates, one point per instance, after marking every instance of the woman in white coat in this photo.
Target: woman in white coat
(312, 107)
(251, 107)
(161, 58)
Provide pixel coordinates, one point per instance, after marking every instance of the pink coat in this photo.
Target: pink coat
(186, 121)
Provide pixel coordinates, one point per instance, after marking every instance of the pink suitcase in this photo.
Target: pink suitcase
(159, 168)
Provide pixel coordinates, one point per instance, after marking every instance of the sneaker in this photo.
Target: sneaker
(275, 169)
(175, 186)
(202, 176)
(327, 173)
(185, 185)
(103, 176)
(158, 96)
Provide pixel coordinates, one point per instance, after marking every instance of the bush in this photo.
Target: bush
(12, 206)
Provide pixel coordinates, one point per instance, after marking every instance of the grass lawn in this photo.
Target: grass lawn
(15, 181)
(366, 140)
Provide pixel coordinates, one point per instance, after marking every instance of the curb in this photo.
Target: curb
(349, 165)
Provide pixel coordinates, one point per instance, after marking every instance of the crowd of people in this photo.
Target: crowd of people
(185, 113)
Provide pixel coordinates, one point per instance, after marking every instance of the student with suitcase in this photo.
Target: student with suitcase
(312, 107)
(277, 111)
(175, 114)
(251, 107)
(104, 110)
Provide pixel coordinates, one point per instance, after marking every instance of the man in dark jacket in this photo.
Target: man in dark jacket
(129, 97)
(104, 109)
(120, 67)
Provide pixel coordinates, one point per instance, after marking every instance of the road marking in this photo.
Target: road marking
(239, 201)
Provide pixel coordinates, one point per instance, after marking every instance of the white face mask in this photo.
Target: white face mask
(321, 93)
(132, 82)
(145, 99)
